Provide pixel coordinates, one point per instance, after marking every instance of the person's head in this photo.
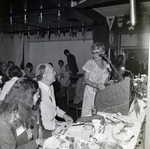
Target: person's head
(67, 67)
(66, 52)
(14, 71)
(10, 64)
(29, 66)
(120, 58)
(132, 55)
(61, 63)
(3, 66)
(19, 100)
(45, 73)
(97, 50)
(51, 64)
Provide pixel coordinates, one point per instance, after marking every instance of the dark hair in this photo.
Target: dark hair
(120, 56)
(66, 51)
(29, 65)
(40, 71)
(132, 54)
(20, 99)
(51, 63)
(61, 61)
(14, 71)
(10, 62)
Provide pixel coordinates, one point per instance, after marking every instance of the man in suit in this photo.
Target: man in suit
(71, 61)
(46, 75)
(132, 64)
(28, 71)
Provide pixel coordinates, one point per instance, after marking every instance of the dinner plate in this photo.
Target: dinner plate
(109, 145)
(56, 142)
(100, 137)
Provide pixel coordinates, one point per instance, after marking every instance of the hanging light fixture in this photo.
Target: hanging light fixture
(20, 34)
(25, 17)
(59, 33)
(11, 19)
(82, 30)
(28, 34)
(133, 12)
(38, 34)
(70, 31)
(59, 13)
(41, 15)
(48, 32)
(11, 34)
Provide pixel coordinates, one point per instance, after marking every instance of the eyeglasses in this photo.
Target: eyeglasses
(98, 53)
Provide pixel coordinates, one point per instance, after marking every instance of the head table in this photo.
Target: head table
(137, 141)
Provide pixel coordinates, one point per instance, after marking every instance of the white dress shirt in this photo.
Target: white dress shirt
(6, 88)
(48, 106)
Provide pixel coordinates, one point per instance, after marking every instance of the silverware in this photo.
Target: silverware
(111, 120)
(78, 124)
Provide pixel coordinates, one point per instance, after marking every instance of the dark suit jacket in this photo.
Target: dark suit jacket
(72, 63)
(9, 139)
(133, 65)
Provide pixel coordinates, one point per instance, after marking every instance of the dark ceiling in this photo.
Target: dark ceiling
(42, 15)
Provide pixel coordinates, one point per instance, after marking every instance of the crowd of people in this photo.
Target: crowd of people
(28, 108)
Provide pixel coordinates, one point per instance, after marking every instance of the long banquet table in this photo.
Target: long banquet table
(137, 142)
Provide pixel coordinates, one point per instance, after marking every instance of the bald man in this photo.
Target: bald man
(45, 75)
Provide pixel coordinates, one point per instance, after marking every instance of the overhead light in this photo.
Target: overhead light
(41, 15)
(133, 12)
(25, 16)
(25, 19)
(11, 19)
(59, 12)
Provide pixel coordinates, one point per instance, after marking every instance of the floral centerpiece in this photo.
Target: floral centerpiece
(139, 93)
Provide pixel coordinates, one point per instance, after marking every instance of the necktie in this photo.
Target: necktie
(50, 93)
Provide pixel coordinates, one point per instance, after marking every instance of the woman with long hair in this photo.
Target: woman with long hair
(16, 116)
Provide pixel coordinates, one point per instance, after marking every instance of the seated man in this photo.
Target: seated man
(45, 75)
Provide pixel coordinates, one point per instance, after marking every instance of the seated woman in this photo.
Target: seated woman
(16, 116)
(65, 79)
(66, 74)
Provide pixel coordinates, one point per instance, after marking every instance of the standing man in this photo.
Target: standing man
(45, 75)
(71, 61)
(28, 71)
(132, 64)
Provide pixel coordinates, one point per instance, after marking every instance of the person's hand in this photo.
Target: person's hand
(101, 86)
(68, 119)
(39, 142)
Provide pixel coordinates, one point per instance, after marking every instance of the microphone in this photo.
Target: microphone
(106, 58)
(126, 70)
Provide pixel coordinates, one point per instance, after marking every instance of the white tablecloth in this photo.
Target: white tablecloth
(136, 128)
